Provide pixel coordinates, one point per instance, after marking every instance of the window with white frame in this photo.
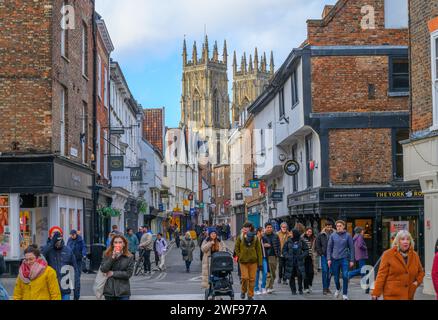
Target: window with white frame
(281, 102)
(64, 34)
(294, 86)
(84, 49)
(99, 76)
(105, 153)
(63, 107)
(98, 149)
(434, 55)
(105, 88)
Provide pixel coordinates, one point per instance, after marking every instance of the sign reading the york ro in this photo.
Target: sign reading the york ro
(136, 174)
(116, 163)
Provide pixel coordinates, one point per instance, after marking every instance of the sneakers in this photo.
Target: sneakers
(306, 291)
(301, 292)
(257, 293)
(329, 291)
(294, 293)
(344, 297)
(242, 296)
(264, 291)
(324, 292)
(337, 292)
(269, 291)
(310, 289)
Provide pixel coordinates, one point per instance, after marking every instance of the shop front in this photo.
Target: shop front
(36, 194)
(380, 212)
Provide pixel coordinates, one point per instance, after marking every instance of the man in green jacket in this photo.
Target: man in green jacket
(249, 252)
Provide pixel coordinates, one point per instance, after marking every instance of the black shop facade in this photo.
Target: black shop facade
(381, 212)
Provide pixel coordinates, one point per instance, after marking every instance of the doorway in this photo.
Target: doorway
(27, 228)
(368, 225)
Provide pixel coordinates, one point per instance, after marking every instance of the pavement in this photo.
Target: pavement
(175, 284)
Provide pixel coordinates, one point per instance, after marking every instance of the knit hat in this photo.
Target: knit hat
(54, 229)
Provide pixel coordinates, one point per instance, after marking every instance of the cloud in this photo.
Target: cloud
(157, 27)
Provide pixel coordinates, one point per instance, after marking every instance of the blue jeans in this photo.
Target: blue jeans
(117, 298)
(264, 275)
(337, 266)
(326, 275)
(65, 297)
(357, 272)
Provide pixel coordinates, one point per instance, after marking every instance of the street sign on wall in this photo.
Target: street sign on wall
(136, 174)
(277, 196)
(121, 179)
(116, 163)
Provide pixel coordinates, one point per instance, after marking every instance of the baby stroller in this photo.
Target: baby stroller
(220, 277)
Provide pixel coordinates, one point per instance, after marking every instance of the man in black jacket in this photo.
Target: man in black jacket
(321, 249)
(272, 249)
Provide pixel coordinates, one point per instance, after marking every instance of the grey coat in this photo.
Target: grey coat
(122, 268)
(188, 245)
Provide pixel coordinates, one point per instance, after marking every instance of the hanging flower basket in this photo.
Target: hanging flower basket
(109, 212)
(143, 207)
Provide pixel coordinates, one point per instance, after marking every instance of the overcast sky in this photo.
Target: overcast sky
(148, 36)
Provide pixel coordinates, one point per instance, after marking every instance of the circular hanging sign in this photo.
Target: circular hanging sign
(291, 167)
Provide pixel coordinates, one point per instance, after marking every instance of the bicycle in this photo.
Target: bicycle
(139, 264)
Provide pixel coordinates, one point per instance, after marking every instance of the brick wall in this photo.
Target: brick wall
(342, 26)
(25, 76)
(67, 73)
(421, 12)
(340, 84)
(366, 153)
(102, 110)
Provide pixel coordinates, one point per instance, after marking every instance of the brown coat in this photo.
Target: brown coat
(395, 279)
(206, 249)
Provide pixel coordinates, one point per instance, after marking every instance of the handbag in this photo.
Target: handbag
(99, 284)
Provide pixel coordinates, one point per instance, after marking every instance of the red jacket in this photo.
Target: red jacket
(435, 274)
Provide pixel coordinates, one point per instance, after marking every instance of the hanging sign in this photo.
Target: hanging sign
(291, 167)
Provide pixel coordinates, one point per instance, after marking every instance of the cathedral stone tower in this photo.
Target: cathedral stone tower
(205, 102)
(250, 81)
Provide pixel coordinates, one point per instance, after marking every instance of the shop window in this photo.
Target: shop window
(5, 248)
(25, 229)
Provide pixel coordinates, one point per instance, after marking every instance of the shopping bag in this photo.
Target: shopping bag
(99, 284)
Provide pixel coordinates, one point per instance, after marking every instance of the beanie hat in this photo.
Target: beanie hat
(54, 229)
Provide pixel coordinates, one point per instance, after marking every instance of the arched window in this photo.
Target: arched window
(196, 107)
(216, 110)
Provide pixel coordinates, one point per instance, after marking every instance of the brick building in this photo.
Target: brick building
(46, 85)
(420, 151)
(104, 47)
(339, 109)
(153, 127)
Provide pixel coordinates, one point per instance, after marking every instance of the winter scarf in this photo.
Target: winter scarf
(28, 273)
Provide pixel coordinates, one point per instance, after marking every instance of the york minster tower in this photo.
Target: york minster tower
(250, 81)
(205, 102)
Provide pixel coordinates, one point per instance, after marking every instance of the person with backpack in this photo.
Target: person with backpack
(309, 260)
(58, 255)
(340, 256)
(187, 248)
(295, 251)
(249, 252)
(160, 249)
(77, 246)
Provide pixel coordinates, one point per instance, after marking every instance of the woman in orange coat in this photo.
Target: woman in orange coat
(400, 272)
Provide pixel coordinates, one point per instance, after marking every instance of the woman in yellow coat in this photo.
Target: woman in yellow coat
(36, 280)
